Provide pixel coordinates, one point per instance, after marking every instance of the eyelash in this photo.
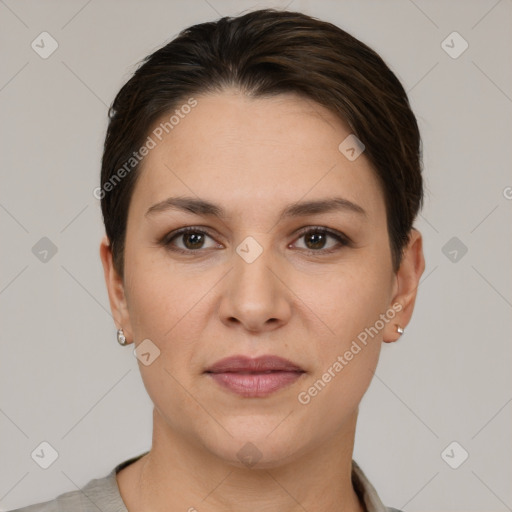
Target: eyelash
(342, 239)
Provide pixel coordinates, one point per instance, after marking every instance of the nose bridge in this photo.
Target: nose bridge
(252, 275)
(255, 296)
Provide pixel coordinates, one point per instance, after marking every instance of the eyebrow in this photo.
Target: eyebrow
(206, 208)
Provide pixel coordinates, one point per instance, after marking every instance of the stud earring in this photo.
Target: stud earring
(121, 338)
(399, 329)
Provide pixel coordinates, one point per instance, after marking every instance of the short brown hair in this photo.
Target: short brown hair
(264, 53)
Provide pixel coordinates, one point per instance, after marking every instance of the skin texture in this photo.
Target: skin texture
(253, 157)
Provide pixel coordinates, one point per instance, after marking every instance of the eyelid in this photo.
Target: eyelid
(166, 240)
(323, 229)
(342, 239)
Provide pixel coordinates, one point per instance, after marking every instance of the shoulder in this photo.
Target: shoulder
(367, 492)
(99, 493)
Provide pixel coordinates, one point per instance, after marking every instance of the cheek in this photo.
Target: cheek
(157, 308)
(346, 358)
(347, 300)
(167, 311)
(169, 307)
(350, 304)
(154, 304)
(159, 296)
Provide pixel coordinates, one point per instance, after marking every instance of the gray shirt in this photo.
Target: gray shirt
(102, 495)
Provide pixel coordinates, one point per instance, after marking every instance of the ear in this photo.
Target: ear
(406, 285)
(116, 292)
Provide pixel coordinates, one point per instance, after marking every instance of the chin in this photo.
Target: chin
(259, 450)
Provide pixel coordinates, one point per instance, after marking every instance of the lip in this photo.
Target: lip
(254, 377)
(244, 364)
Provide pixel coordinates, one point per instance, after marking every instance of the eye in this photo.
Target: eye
(192, 238)
(316, 239)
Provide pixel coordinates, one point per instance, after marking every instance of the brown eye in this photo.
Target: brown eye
(315, 240)
(192, 239)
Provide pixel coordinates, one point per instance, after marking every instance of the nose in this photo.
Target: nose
(255, 296)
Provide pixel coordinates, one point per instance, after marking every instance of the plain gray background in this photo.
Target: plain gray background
(64, 378)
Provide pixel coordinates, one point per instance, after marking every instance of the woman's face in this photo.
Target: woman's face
(255, 281)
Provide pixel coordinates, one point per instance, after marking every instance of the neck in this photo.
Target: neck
(178, 474)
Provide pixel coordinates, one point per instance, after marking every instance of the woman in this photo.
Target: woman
(260, 179)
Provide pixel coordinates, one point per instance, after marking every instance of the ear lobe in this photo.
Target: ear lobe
(115, 289)
(406, 286)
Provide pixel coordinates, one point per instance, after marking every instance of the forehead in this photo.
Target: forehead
(233, 147)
